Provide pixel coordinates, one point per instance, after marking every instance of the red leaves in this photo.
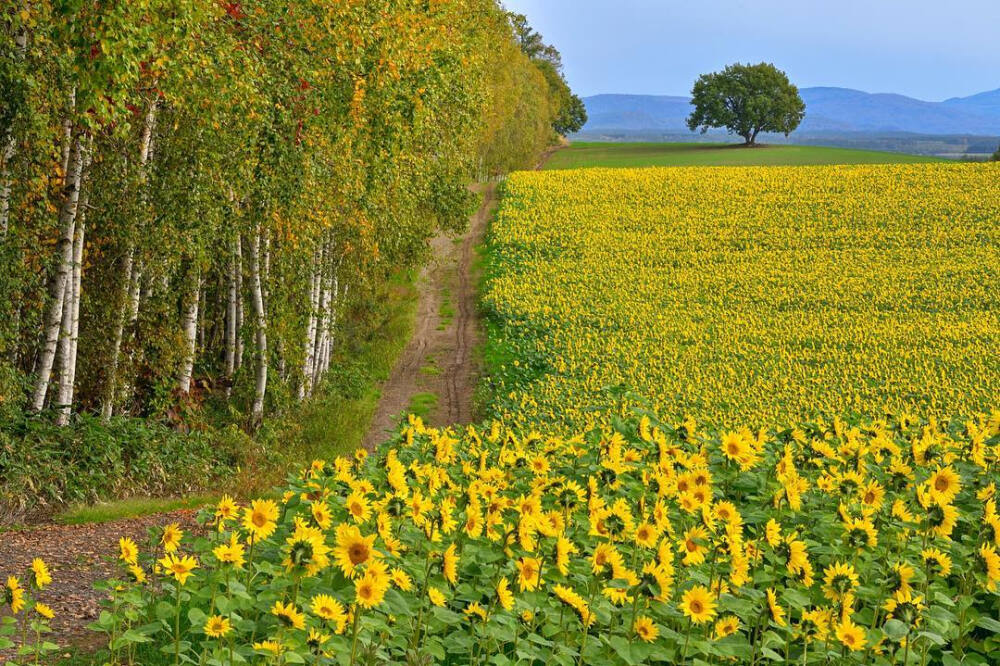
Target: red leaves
(233, 9)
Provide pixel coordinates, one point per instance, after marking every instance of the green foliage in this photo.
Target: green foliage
(746, 100)
(996, 155)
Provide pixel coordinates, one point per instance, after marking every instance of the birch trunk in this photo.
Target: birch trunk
(308, 366)
(260, 325)
(57, 284)
(189, 325)
(131, 274)
(231, 330)
(239, 302)
(71, 319)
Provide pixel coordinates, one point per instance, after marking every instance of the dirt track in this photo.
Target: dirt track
(439, 358)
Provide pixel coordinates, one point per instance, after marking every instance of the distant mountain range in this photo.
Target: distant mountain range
(828, 110)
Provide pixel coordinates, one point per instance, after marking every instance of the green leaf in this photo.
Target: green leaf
(895, 630)
(989, 624)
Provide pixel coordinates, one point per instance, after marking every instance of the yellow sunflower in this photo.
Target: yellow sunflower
(698, 604)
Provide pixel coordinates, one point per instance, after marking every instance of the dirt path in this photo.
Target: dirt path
(78, 556)
(438, 365)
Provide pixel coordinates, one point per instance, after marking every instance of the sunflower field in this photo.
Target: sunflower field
(746, 295)
(639, 542)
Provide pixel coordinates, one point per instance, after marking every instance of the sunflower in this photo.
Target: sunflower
(815, 623)
(180, 567)
(937, 562)
(289, 615)
(271, 647)
(646, 535)
(44, 610)
(726, 626)
(138, 575)
(370, 589)
(850, 634)
(777, 612)
(329, 609)
(449, 564)
(217, 626)
(171, 539)
(840, 579)
(41, 571)
(772, 533)
(605, 555)
(436, 596)
(944, 484)
(861, 532)
(529, 571)
(900, 576)
(226, 509)
(735, 447)
(645, 629)
(401, 579)
(230, 553)
(306, 549)
(259, 519)
(991, 561)
(694, 545)
(698, 604)
(353, 550)
(504, 596)
(128, 551)
(564, 548)
(321, 514)
(358, 507)
(905, 607)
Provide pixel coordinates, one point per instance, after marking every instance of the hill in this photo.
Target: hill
(583, 154)
(828, 109)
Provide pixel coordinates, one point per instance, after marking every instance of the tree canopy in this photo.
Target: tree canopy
(746, 100)
(231, 183)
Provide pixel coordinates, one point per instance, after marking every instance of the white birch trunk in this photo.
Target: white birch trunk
(308, 367)
(57, 285)
(189, 325)
(231, 330)
(71, 319)
(260, 325)
(239, 302)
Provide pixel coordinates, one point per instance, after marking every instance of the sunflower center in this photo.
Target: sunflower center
(358, 552)
(697, 607)
(259, 520)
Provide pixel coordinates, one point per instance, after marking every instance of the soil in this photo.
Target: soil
(78, 556)
(439, 358)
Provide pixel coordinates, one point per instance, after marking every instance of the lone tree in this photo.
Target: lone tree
(996, 155)
(746, 100)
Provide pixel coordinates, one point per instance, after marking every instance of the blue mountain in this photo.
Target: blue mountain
(827, 110)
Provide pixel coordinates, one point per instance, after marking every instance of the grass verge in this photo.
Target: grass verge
(606, 154)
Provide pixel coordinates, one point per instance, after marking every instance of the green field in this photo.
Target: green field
(601, 154)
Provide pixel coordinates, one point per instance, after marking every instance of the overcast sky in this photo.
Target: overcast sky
(929, 49)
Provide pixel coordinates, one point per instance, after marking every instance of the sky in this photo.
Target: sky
(928, 49)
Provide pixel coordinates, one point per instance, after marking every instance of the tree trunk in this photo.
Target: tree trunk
(189, 325)
(132, 282)
(57, 284)
(308, 362)
(260, 325)
(231, 330)
(71, 318)
(239, 302)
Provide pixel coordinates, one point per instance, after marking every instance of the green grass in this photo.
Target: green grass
(446, 312)
(78, 514)
(422, 404)
(599, 154)
(336, 421)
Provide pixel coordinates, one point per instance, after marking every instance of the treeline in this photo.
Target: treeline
(193, 192)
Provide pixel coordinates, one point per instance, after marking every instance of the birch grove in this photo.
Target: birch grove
(205, 200)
